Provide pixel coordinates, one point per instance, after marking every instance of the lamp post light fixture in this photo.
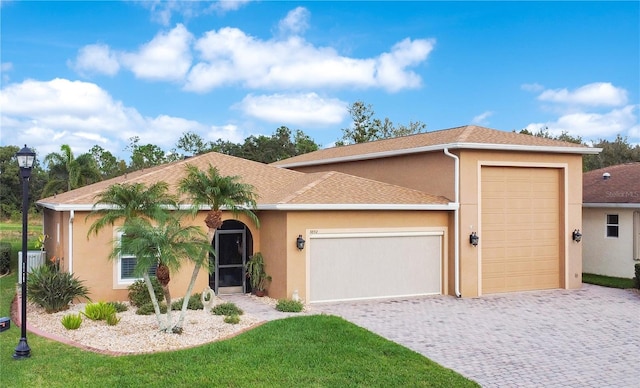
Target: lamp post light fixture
(25, 157)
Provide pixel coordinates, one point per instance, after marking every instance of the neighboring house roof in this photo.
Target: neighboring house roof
(469, 137)
(277, 188)
(619, 184)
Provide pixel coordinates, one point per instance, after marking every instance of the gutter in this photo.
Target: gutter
(456, 232)
(72, 215)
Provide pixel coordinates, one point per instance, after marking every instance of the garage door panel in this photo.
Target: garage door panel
(374, 266)
(528, 230)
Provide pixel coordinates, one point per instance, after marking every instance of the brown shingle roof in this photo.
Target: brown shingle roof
(469, 136)
(274, 186)
(621, 186)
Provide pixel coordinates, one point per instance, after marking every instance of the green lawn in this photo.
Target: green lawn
(312, 351)
(607, 281)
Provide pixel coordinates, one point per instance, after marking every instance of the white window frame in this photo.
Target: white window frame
(611, 225)
(120, 279)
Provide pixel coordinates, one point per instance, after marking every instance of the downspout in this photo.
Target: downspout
(72, 215)
(456, 232)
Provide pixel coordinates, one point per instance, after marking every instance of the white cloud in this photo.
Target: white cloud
(6, 66)
(594, 94)
(166, 57)
(594, 126)
(294, 109)
(296, 22)
(96, 58)
(534, 87)
(481, 119)
(229, 56)
(47, 114)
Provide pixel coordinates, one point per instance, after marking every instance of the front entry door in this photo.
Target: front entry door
(231, 256)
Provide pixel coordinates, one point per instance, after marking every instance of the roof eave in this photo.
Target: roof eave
(357, 206)
(616, 205)
(440, 147)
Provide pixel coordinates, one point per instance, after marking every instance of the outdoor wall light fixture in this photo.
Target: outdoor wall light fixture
(300, 242)
(577, 236)
(473, 239)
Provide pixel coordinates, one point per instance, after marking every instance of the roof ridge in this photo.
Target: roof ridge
(323, 176)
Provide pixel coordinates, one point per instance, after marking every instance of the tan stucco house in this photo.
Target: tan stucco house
(611, 220)
(381, 219)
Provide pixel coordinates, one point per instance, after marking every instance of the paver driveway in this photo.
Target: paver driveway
(556, 338)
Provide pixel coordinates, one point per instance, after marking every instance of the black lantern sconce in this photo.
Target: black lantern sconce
(473, 239)
(577, 236)
(300, 242)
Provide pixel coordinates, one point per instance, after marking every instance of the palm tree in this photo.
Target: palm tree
(166, 244)
(209, 188)
(67, 172)
(128, 201)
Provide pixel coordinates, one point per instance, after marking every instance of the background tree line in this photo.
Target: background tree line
(63, 171)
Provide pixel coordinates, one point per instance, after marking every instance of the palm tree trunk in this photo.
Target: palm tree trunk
(154, 301)
(177, 328)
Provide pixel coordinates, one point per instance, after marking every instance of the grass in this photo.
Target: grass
(607, 281)
(313, 351)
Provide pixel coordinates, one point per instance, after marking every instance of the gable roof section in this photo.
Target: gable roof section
(622, 187)
(277, 188)
(469, 137)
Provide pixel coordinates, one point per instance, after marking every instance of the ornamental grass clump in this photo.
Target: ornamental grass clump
(289, 305)
(54, 290)
(72, 321)
(99, 311)
(232, 319)
(227, 308)
(195, 303)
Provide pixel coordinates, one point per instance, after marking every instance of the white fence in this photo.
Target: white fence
(34, 259)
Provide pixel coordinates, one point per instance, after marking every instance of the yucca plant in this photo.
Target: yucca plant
(54, 290)
(72, 321)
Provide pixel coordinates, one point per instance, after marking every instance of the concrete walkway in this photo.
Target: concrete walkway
(557, 338)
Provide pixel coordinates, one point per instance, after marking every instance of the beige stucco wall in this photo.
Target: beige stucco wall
(570, 165)
(432, 173)
(90, 262)
(604, 255)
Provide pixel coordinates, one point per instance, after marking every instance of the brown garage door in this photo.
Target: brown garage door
(521, 216)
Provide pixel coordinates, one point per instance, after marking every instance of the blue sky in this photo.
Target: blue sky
(99, 73)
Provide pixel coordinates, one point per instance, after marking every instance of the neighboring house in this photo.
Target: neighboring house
(611, 220)
(382, 219)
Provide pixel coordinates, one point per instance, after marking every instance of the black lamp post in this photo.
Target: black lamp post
(25, 157)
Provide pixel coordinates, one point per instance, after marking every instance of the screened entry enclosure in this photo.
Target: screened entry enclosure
(233, 245)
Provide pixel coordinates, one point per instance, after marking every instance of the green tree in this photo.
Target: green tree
(209, 188)
(127, 201)
(193, 144)
(613, 152)
(67, 172)
(365, 127)
(108, 164)
(10, 183)
(167, 244)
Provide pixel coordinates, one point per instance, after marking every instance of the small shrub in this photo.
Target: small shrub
(119, 306)
(637, 278)
(289, 305)
(99, 311)
(5, 257)
(227, 308)
(147, 309)
(112, 320)
(139, 295)
(72, 321)
(54, 290)
(195, 303)
(232, 319)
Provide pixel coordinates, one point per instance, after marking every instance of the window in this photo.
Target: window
(127, 265)
(612, 225)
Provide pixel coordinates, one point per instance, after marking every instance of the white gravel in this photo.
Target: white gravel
(138, 333)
